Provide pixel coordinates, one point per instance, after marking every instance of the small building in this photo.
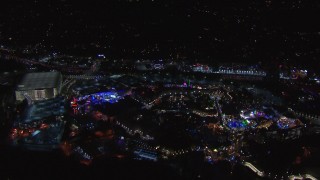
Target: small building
(39, 86)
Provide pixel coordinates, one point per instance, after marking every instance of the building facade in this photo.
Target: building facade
(39, 86)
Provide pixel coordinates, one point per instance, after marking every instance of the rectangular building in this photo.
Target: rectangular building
(39, 86)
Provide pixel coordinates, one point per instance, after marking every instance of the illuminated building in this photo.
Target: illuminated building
(39, 86)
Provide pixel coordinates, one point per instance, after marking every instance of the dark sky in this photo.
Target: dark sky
(249, 30)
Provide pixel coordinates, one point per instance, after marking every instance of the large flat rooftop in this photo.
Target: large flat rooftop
(39, 80)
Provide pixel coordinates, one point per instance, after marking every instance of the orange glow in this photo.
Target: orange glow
(86, 162)
(66, 148)
(120, 156)
(110, 134)
(99, 134)
(25, 134)
(43, 126)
